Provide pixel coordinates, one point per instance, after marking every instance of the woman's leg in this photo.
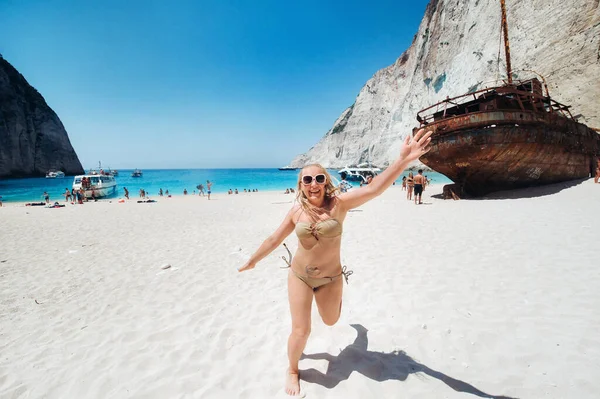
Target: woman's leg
(300, 296)
(329, 301)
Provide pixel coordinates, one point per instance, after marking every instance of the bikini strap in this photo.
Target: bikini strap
(346, 273)
(289, 262)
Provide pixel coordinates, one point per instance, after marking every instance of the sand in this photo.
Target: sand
(496, 297)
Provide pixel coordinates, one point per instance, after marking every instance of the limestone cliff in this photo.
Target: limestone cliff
(32, 137)
(456, 50)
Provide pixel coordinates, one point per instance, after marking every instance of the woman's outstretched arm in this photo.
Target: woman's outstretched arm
(273, 241)
(410, 150)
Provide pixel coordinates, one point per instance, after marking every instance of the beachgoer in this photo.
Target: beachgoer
(200, 188)
(126, 192)
(94, 195)
(185, 191)
(167, 192)
(236, 191)
(403, 182)
(67, 195)
(208, 186)
(410, 183)
(160, 192)
(73, 195)
(597, 177)
(419, 186)
(316, 270)
(81, 196)
(0, 201)
(46, 197)
(344, 183)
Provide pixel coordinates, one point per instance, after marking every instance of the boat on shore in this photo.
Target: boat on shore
(510, 136)
(55, 174)
(359, 172)
(96, 185)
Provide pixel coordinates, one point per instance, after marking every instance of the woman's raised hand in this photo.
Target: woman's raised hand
(413, 148)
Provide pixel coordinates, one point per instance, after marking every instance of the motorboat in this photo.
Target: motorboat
(136, 173)
(96, 185)
(359, 172)
(55, 174)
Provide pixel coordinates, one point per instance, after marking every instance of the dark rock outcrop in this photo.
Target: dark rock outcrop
(33, 140)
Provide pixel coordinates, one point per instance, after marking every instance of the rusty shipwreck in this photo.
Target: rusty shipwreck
(505, 137)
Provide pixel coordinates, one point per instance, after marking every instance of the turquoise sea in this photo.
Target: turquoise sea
(174, 180)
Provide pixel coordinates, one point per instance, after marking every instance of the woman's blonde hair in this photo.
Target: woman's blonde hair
(331, 191)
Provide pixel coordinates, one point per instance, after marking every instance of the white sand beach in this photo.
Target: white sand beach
(496, 297)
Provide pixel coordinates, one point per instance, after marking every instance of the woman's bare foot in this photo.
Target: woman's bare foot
(292, 383)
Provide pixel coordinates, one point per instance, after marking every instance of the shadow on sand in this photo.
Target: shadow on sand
(377, 366)
(529, 192)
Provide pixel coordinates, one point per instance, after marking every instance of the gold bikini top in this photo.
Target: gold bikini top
(328, 228)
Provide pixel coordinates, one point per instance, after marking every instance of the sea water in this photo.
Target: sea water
(174, 180)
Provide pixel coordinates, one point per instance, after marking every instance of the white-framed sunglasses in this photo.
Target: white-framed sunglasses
(308, 179)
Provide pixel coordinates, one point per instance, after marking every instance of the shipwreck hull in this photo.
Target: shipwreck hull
(491, 151)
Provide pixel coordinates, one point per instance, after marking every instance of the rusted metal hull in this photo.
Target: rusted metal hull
(499, 150)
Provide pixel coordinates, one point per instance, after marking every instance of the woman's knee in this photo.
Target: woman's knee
(330, 320)
(300, 332)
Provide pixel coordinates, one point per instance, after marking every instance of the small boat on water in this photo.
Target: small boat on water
(509, 136)
(287, 168)
(359, 172)
(55, 174)
(136, 173)
(96, 185)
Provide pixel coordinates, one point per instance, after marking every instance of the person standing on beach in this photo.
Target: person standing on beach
(67, 195)
(126, 192)
(46, 197)
(316, 270)
(410, 184)
(208, 187)
(419, 186)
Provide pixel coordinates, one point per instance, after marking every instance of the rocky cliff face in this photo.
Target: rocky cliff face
(456, 50)
(32, 137)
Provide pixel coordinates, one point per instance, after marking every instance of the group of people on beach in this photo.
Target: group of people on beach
(415, 184)
(230, 191)
(74, 196)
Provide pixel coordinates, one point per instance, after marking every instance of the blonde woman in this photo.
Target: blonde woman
(316, 270)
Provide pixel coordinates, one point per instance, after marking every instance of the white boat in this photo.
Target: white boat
(55, 174)
(100, 185)
(359, 172)
(136, 173)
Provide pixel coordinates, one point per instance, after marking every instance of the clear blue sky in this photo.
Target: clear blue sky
(201, 84)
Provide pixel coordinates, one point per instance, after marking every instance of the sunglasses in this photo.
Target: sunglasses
(320, 179)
